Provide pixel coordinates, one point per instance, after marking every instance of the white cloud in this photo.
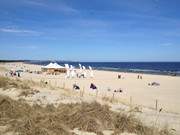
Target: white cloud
(20, 31)
(37, 3)
(59, 6)
(29, 47)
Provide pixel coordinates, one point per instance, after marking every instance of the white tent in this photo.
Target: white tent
(58, 66)
(48, 66)
(53, 66)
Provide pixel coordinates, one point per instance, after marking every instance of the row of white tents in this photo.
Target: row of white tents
(71, 72)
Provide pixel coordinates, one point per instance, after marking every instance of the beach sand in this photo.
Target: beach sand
(135, 92)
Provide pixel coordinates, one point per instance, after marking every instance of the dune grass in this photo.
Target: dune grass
(7, 83)
(3, 69)
(20, 117)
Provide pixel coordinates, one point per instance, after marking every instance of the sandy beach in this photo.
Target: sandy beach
(167, 93)
(135, 92)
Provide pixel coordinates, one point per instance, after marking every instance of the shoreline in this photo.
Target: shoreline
(111, 69)
(141, 72)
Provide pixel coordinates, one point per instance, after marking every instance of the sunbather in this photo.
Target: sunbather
(153, 84)
(92, 86)
(76, 87)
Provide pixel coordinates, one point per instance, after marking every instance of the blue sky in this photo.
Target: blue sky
(90, 30)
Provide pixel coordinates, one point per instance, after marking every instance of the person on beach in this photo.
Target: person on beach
(19, 74)
(76, 87)
(92, 86)
(11, 73)
(14, 74)
(119, 76)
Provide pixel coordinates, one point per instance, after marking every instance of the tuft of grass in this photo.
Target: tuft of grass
(7, 83)
(4, 81)
(128, 123)
(3, 69)
(28, 92)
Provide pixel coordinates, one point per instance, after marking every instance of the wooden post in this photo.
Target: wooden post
(63, 85)
(96, 93)
(82, 92)
(55, 83)
(131, 102)
(113, 96)
(156, 104)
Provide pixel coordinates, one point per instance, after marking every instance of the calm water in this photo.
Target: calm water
(166, 68)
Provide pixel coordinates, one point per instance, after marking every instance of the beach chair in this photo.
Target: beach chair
(80, 67)
(83, 67)
(91, 72)
(84, 71)
(66, 66)
(72, 71)
(67, 71)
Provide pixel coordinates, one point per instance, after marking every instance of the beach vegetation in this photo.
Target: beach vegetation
(21, 118)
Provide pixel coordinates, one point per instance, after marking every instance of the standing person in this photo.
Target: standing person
(119, 76)
(19, 74)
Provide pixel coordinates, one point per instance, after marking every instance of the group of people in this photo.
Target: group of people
(120, 76)
(139, 77)
(14, 73)
(92, 86)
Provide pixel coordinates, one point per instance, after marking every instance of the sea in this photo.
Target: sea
(162, 68)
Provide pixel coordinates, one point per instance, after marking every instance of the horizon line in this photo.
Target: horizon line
(24, 60)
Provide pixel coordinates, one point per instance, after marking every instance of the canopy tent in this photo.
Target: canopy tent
(53, 68)
(53, 65)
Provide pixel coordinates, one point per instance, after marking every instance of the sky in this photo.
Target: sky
(90, 30)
